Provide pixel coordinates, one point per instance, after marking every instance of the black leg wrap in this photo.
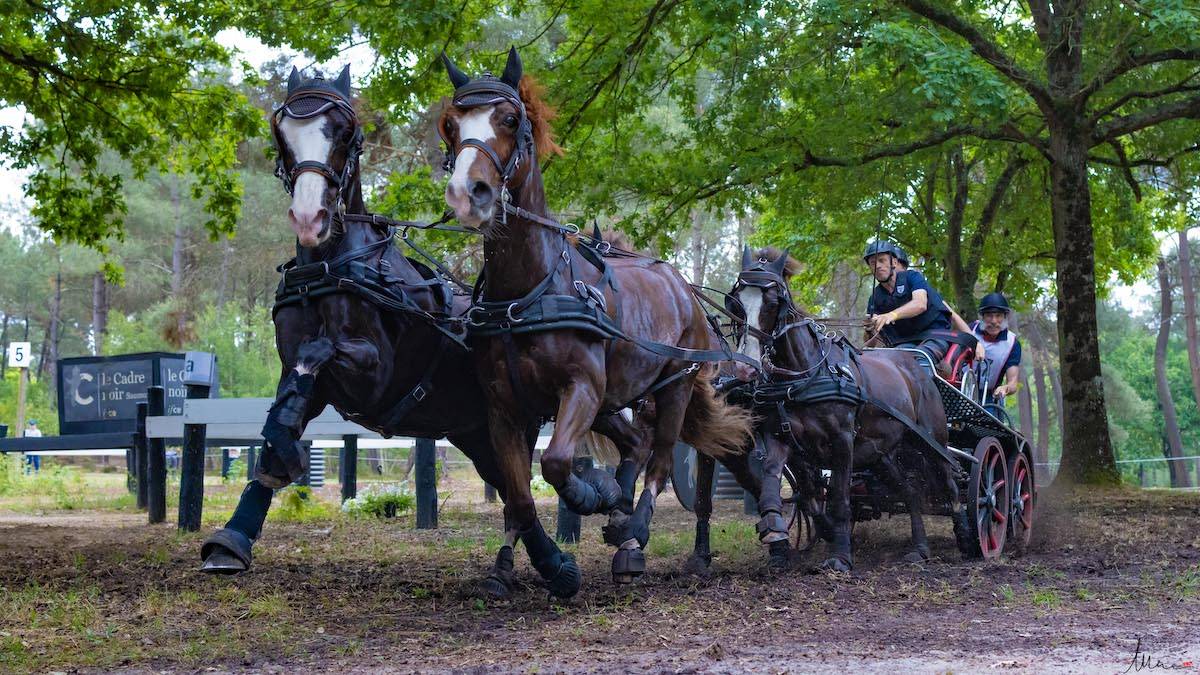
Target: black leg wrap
(579, 496)
(499, 582)
(559, 569)
(702, 547)
(962, 536)
(636, 527)
(772, 522)
(627, 474)
(778, 552)
(251, 510)
(283, 459)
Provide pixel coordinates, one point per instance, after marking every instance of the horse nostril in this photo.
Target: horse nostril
(481, 193)
(322, 214)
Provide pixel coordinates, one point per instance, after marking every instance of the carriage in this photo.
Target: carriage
(996, 468)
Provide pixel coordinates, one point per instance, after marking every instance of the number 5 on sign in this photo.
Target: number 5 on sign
(19, 355)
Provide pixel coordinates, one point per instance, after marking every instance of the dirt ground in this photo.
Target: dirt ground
(103, 591)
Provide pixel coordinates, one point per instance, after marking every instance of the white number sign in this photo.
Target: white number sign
(20, 354)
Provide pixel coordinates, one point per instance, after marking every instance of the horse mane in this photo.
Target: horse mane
(770, 253)
(540, 115)
(790, 269)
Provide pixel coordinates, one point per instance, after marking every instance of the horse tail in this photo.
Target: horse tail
(712, 426)
(603, 450)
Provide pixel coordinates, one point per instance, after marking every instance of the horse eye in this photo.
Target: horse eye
(510, 121)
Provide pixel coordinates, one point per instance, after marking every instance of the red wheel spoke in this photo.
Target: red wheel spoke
(997, 485)
(999, 517)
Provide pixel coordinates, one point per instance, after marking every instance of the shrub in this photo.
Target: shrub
(381, 500)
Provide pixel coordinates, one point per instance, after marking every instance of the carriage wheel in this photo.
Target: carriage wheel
(1021, 513)
(988, 500)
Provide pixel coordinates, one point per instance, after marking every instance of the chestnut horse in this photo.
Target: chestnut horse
(821, 404)
(560, 332)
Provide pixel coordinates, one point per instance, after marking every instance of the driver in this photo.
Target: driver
(903, 306)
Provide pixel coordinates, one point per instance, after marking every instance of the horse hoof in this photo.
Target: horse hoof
(779, 555)
(567, 581)
(627, 565)
(497, 587)
(698, 564)
(221, 561)
(916, 556)
(834, 565)
(499, 583)
(226, 552)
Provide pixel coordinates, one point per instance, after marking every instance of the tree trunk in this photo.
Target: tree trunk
(698, 247)
(1087, 456)
(4, 347)
(1025, 404)
(1189, 318)
(1041, 449)
(99, 312)
(1056, 387)
(1179, 474)
(55, 324)
(177, 260)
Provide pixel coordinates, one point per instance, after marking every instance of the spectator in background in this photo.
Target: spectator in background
(33, 463)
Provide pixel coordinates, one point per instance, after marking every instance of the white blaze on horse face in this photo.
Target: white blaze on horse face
(751, 299)
(308, 142)
(475, 124)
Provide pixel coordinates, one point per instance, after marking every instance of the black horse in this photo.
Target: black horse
(358, 325)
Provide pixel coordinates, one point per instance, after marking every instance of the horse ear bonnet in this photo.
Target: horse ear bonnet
(513, 69)
(780, 264)
(342, 84)
(457, 77)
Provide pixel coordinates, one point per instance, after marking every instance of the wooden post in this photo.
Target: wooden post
(226, 460)
(141, 455)
(349, 468)
(426, 478)
(22, 378)
(569, 522)
(191, 470)
(156, 464)
(251, 460)
(130, 471)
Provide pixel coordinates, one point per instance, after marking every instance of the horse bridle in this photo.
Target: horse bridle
(489, 90)
(305, 104)
(758, 276)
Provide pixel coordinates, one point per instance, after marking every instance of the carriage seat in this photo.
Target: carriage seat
(959, 356)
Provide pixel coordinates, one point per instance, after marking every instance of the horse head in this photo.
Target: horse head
(494, 128)
(318, 141)
(760, 300)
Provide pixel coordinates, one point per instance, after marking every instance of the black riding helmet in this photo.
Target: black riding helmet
(994, 302)
(884, 246)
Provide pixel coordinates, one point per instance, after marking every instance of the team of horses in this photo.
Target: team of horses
(558, 326)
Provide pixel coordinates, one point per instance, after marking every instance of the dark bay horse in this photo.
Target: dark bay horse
(818, 411)
(398, 372)
(560, 333)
